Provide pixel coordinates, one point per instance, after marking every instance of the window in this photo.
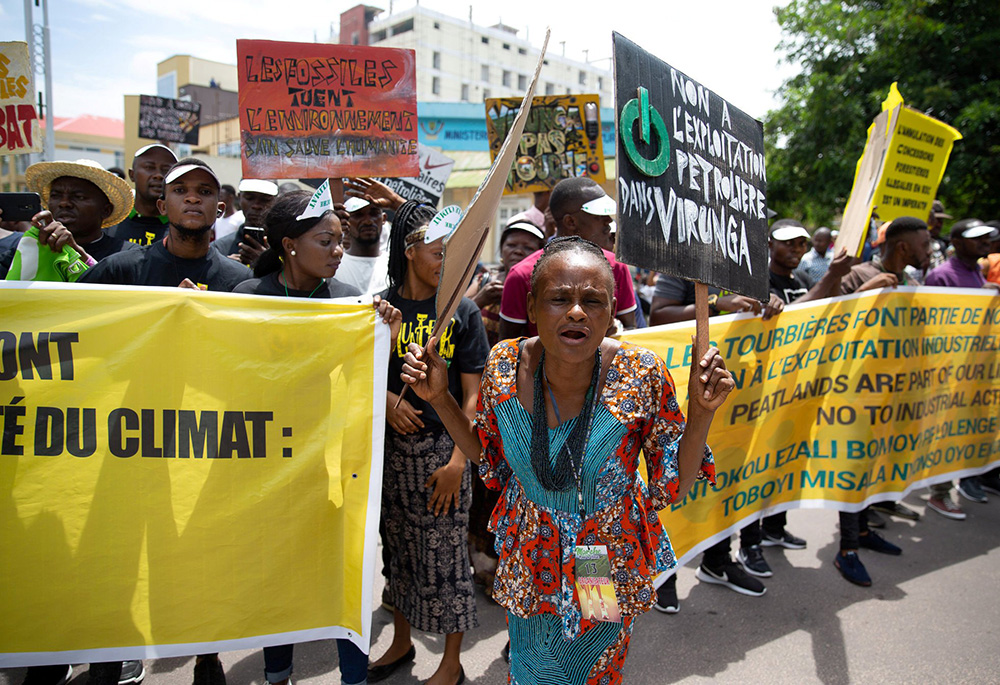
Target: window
(486, 41)
(355, 38)
(506, 79)
(437, 60)
(506, 46)
(436, 85)
(437, 24)
(378, 36)
(600, 83)
(487, 93)
(522, 82)
(550, 89)
(465, 92)
(484, 72)
(402, 27)
(583, 78)
(522, 51)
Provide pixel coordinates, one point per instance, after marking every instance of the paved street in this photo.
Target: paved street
(931, 616)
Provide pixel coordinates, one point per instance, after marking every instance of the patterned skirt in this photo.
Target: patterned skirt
(540, 654)
(430, 581)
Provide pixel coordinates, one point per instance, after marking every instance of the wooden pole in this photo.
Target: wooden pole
(701, 322)
(337, 190)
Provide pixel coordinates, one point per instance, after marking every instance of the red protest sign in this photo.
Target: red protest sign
(315, 110)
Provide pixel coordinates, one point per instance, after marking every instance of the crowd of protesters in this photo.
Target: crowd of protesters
(503, 386)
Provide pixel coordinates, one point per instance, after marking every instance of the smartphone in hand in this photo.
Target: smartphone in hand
(20, 206)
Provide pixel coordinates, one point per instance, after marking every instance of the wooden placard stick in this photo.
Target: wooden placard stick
(337, 190)
(700, 322)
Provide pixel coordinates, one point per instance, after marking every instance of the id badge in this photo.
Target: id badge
(594, 586)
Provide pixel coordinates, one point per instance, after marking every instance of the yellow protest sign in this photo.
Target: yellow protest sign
(185, 472)
(840, 403)
(900, 170)
(19, 131)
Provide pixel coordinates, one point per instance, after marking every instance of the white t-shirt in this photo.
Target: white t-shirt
(370, 275)
(228, 224)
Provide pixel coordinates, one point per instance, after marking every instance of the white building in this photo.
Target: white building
(458, 61)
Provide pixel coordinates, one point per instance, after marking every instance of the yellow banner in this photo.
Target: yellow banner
(185, 472)
(840, 403)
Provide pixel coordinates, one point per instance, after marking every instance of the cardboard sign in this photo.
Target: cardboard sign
(166, 119)
(899, 171)
(691, 178)
(19, 130)
(562, 139)
(435, 168)
(315, 110)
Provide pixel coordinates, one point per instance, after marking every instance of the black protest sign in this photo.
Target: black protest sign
(166, 119)
(691, 179)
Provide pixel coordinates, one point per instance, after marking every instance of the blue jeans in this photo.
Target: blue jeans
(353, 663)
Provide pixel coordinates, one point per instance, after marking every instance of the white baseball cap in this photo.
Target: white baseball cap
(256, 185)
(972, 228)
(353, 204)
(602, 206)
(179, 170)
(783, 233)
(153, 146)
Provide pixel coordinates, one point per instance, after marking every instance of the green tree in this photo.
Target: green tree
(945, 54)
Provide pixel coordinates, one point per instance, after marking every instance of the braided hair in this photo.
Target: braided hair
(409, 217)
(571, 243)
(281, 222)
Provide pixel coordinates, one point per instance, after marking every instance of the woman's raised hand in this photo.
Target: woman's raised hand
(425, 371)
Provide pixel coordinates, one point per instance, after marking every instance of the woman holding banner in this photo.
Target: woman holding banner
(301, 260)
(427, 486)
(561, 420)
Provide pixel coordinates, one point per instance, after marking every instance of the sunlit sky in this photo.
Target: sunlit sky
(104, 49)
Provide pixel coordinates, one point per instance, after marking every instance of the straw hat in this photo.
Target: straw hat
(40, 176)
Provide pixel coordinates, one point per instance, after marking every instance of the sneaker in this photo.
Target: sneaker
(874, 520)
(970, 489)
(783, 539)
(132, 672)
(753, 562)
(896, 509)
(947, 508)
(208, 671)
(666, 597)
(877, 543)
(732, 576)
(990, 482)
(852, 569)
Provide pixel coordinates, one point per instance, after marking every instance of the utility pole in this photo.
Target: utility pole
(40, 57)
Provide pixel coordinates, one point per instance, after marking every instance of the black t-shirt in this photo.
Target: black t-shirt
(141, 230)
(107, 245)
(463, 346)
(154, 265)
(8, 247)
(270, 285)
(788, 288)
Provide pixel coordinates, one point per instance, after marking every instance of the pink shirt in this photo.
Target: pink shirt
(514, 304)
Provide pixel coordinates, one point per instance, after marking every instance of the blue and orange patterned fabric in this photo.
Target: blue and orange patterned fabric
(537, 529)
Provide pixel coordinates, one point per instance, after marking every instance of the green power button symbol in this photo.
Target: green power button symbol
(638, 109)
